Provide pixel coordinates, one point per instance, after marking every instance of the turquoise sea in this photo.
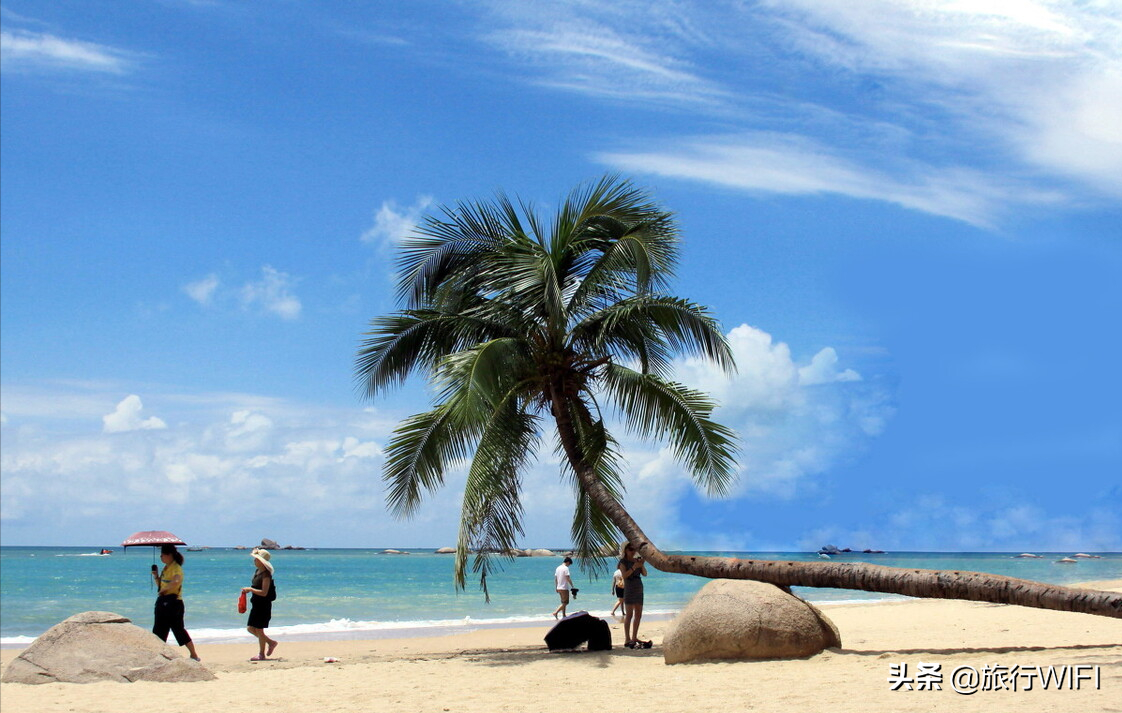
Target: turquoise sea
(362, 593)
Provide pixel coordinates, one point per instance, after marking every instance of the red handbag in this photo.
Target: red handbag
(241, 603)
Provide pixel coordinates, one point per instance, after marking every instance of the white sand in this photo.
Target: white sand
(510, 670)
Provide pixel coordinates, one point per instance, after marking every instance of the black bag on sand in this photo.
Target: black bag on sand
(600, 638)
(576, 629)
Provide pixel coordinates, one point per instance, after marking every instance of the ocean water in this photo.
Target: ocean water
(362, 593)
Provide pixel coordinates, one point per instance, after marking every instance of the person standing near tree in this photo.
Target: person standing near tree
(633, 569)
(564, 583)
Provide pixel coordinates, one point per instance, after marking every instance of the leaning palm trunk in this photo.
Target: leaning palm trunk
(926, 583)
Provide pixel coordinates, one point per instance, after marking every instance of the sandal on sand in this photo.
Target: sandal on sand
(644, 644)
(632, 645)
(259, 657)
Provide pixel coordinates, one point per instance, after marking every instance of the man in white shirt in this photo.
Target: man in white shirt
(564, 583)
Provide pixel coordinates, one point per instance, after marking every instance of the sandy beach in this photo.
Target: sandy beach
(511, 670)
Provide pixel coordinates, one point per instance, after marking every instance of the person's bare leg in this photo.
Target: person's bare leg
(564, 603)
(261, 640)
(191, 650)
(634, 615)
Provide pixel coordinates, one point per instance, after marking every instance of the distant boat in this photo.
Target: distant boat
(1083, 555)
(1027, 556)
(823, 555)
(1067, 560)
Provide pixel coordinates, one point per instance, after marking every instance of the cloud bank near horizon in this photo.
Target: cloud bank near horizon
(223, 466)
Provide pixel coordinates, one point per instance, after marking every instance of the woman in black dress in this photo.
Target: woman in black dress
(633, 568)
(261, 603)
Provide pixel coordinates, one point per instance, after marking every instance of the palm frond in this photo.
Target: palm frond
(651, 329)
(625, 243)
(593, 534)
(479, 378)
(412, 340)
(448, 250)
(657, 408)
(491, 512)
(419, 452)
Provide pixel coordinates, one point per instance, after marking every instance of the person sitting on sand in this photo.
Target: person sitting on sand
(261, 610)
(617, 589)
(564, 583)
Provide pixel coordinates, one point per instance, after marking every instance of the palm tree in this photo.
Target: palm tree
(517, 319)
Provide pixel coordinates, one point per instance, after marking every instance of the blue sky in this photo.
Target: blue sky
(907, 217)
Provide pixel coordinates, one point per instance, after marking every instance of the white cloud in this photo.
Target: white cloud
(23, 50)
(228, 462)
(1075, 129)
(796, 421)
(272, 293)
(972, 110)
(1043, 77)
(203, 290)
(248, 430)
(231, 461)
(823, 369)
(126, 417)
(354, 448)
(391, 225)
(625, 51)
(794, 165)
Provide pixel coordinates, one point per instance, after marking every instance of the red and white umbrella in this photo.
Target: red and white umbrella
(152, 538)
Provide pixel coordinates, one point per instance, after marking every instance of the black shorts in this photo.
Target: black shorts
(619, 592)
(260, 614)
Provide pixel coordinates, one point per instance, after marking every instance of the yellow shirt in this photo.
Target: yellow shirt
(171, 571)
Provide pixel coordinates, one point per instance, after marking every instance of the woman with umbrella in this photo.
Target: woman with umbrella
(169, 599)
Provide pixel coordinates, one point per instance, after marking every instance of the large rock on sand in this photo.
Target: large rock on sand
(101, 646)
(743, 619)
